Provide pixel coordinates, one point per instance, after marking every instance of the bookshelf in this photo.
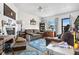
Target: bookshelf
(42, 27)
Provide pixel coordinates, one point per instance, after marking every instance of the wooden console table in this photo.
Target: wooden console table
(5, 39)
(49, 34)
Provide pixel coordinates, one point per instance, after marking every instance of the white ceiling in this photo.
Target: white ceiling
(49, 9)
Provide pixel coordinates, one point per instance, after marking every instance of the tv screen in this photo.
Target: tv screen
(9, 12)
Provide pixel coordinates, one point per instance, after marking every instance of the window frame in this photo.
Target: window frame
(63, 24)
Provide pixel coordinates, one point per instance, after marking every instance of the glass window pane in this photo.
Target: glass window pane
(66, 22)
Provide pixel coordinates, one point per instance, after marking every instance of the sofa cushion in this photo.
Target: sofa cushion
(20, 39)
(39, 44)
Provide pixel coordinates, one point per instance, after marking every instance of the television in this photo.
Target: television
(9, 12)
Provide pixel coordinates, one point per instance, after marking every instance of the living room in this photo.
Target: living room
(37, 28)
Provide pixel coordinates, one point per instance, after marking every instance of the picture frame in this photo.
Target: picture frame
(32, 21)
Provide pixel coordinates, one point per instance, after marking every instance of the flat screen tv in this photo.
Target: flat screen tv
(9, 12)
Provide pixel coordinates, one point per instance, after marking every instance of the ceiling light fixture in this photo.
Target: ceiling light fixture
(40, 8)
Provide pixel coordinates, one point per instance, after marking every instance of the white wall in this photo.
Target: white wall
(25, 18)
(1, 10)
(64, 15)
(1, 14)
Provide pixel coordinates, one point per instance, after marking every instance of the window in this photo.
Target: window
(65, 21)
(53, 23)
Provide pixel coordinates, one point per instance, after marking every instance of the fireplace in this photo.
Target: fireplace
(10, 31)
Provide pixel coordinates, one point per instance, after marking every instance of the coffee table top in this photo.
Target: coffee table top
(53, 39)
(63, 51)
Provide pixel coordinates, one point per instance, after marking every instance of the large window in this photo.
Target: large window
(53, 24)
(65, 22)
